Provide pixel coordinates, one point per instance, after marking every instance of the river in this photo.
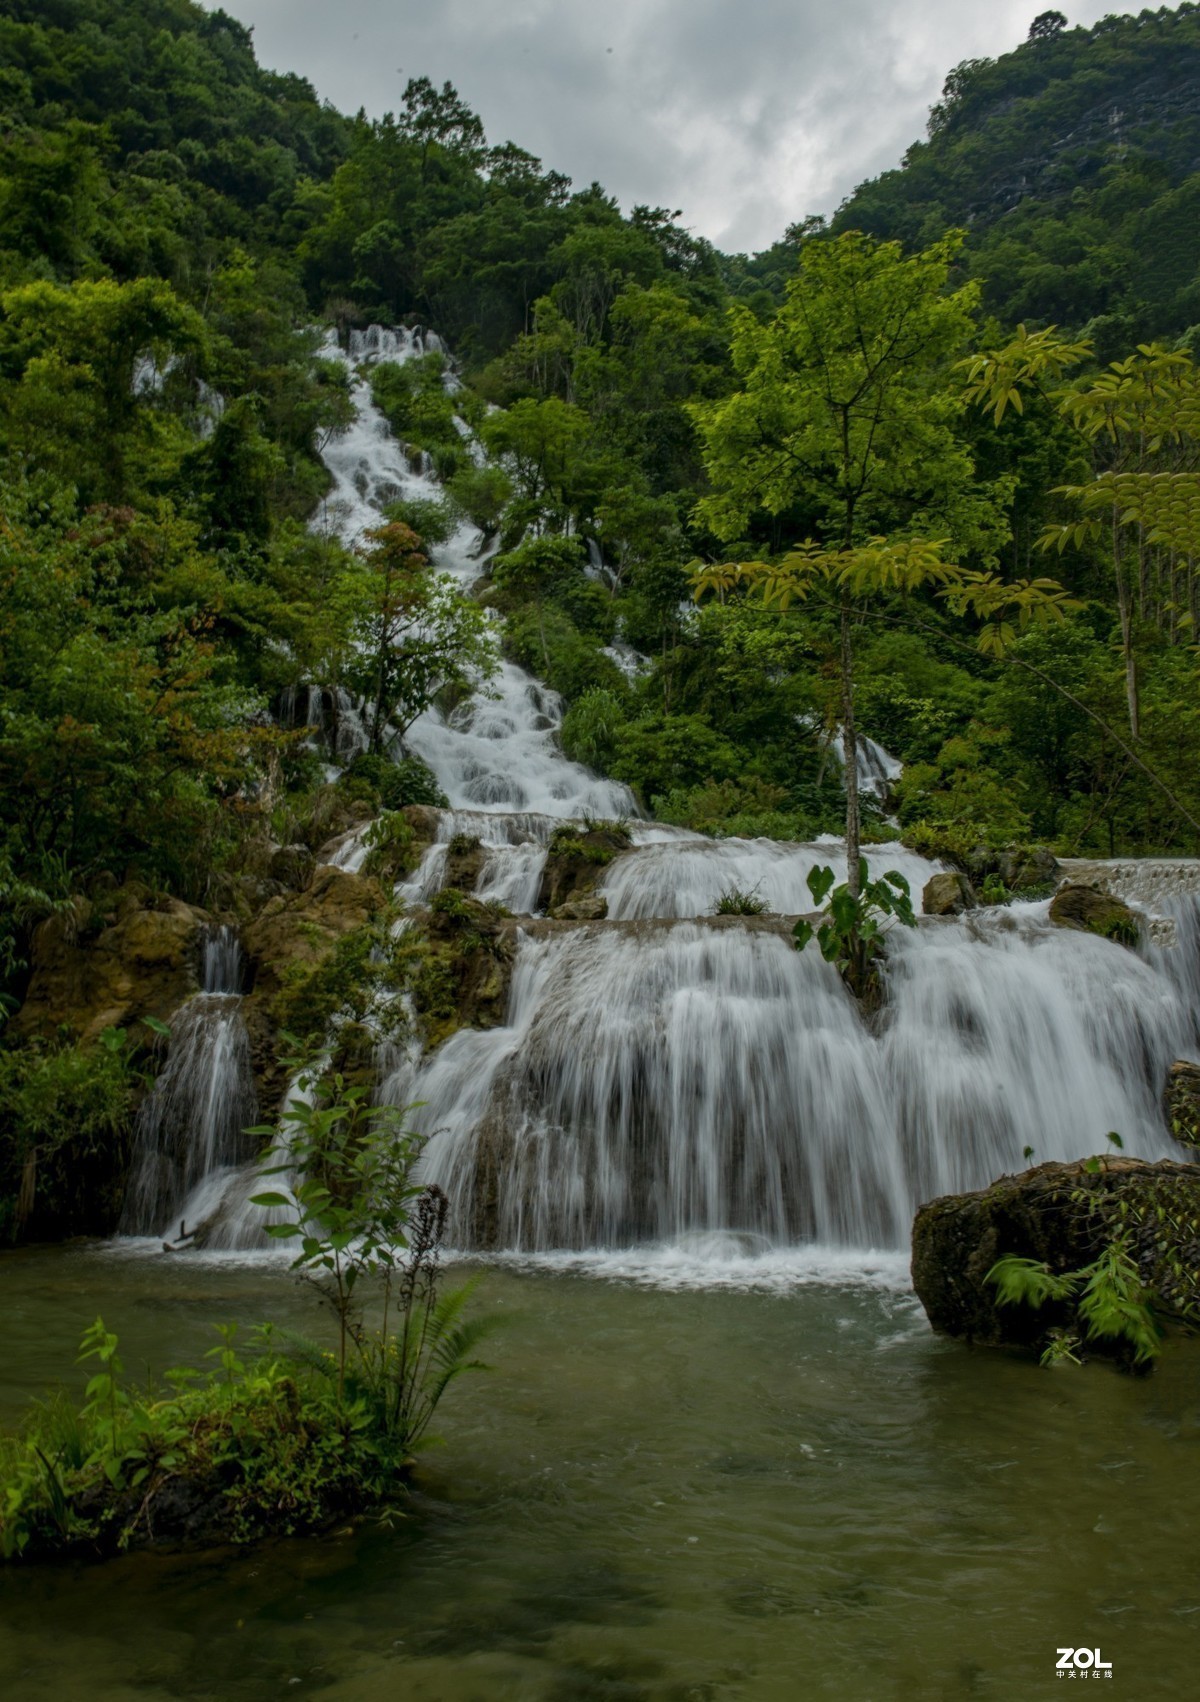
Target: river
(661, 1493)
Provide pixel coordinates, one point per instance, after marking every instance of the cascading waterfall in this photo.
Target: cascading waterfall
(667, 1075)
(191, 1126)
(660, 1080)
(687, 876)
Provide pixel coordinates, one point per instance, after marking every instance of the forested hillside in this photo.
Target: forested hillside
(1074, 165)
(178, 229)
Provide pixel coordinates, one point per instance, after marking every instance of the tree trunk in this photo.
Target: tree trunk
(850, 754)
(1126, 614)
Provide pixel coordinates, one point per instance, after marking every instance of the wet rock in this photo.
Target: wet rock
(1062, 1215)
(948, 895)
(575, 862)
(300, 927)
(1181, 1102)
(108, 963)
(424, 820)
(459, 966)
(293, 867)
(465, 858)
(1092, 910)
(593, 908)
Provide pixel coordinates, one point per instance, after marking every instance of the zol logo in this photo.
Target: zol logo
(1082, 1663)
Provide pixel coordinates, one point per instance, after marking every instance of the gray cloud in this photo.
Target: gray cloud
(746, 116)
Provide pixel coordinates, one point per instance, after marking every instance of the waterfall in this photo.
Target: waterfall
(192, 1123)
(659, 1080)
(686, 877)
(666, 1074)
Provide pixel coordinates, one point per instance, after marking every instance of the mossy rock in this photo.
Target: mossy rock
(289, 944)
(575, 862)
(457, 965)
(1092, 910)
(107, 963)
(1063, 1216)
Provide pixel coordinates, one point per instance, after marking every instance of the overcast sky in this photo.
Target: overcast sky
(744, 114)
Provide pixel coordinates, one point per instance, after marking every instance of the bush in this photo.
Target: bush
(736, 902)
(280, 1441)
(65, 1134)
(391, 785)
(736, 809)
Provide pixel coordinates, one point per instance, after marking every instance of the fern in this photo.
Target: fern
(1111, 1301)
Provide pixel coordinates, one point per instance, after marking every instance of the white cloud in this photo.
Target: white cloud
(745, 114)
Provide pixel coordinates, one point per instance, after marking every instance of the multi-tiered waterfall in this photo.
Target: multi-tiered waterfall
(665, 1074)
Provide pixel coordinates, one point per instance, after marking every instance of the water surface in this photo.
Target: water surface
(661, 1494)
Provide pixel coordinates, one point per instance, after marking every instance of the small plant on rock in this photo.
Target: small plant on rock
(735, 902)
(851, 936)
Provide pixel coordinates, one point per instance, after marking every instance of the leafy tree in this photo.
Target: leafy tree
(417, 635)
(846, 407)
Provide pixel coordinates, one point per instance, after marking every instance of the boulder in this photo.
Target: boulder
(109, 962)
(424, 820)
(1181, 1102)
(459, 966)
(1061, 1215)
(593, 908)
(948, 895)
(301, 927)
(575, 862)
(1092, 910)
(297, 930)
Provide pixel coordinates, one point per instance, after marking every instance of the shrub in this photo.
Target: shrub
(735, 902)
(391, 785)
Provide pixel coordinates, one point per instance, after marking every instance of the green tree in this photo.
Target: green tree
(847, 416)
(416, 633)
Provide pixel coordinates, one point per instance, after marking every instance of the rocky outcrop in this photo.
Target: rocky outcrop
(591, 908)
(575, 861)
(460, 966)
(1093, 910)
(1181, 1102)
(107, 962)
(295, 933)
(1063, 1216)
(292, 867)
(948, 895)
(300, 927)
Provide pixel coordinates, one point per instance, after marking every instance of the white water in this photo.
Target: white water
(670, 1096)
(192, 1123)
(500, 751)
(687, 877)
(660, 1082)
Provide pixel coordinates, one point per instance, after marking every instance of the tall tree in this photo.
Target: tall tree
(846, 420)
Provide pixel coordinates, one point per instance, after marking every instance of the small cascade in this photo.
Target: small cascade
(878, 770)
(686, 877)
(658, 1080)
(192, 1125)
(222, 961)
(332, 714)
(500, 751)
